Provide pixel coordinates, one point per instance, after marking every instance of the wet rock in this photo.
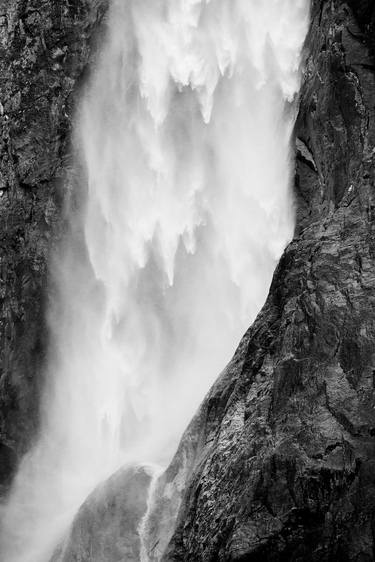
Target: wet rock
(279, 463)
(106, 526)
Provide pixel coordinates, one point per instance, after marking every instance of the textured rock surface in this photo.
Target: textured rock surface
(279, 463)
(44, 48)
(106, 526)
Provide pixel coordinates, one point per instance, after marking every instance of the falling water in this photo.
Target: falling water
(183, 134)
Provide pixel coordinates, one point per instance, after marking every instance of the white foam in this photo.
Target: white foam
(185, 140)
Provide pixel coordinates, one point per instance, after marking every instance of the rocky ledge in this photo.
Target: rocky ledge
(106, 527)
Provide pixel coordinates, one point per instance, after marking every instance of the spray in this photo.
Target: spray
(184, 139)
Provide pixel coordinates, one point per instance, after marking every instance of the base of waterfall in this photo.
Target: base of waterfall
(106, 527)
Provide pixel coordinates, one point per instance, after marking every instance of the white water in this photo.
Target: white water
(184, 137)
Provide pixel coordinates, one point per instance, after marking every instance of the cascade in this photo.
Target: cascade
(184, 162)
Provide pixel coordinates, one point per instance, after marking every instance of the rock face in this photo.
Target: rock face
(106, 526)
(45, 46)
(279, 463)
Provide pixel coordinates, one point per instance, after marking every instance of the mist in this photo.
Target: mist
(183, 151)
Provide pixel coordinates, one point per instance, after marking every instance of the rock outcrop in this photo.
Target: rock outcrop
(279, 463)
(106, 526)
(45, 47)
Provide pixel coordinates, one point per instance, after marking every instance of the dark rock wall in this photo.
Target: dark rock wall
(45, 46)
(279, 463)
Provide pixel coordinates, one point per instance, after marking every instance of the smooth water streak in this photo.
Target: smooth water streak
(183, 136)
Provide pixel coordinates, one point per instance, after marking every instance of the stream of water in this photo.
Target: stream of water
(183, 153)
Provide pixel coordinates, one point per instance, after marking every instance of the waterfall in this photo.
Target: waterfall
(183, 157)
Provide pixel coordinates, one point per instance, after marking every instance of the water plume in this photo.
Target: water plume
(183, 135)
